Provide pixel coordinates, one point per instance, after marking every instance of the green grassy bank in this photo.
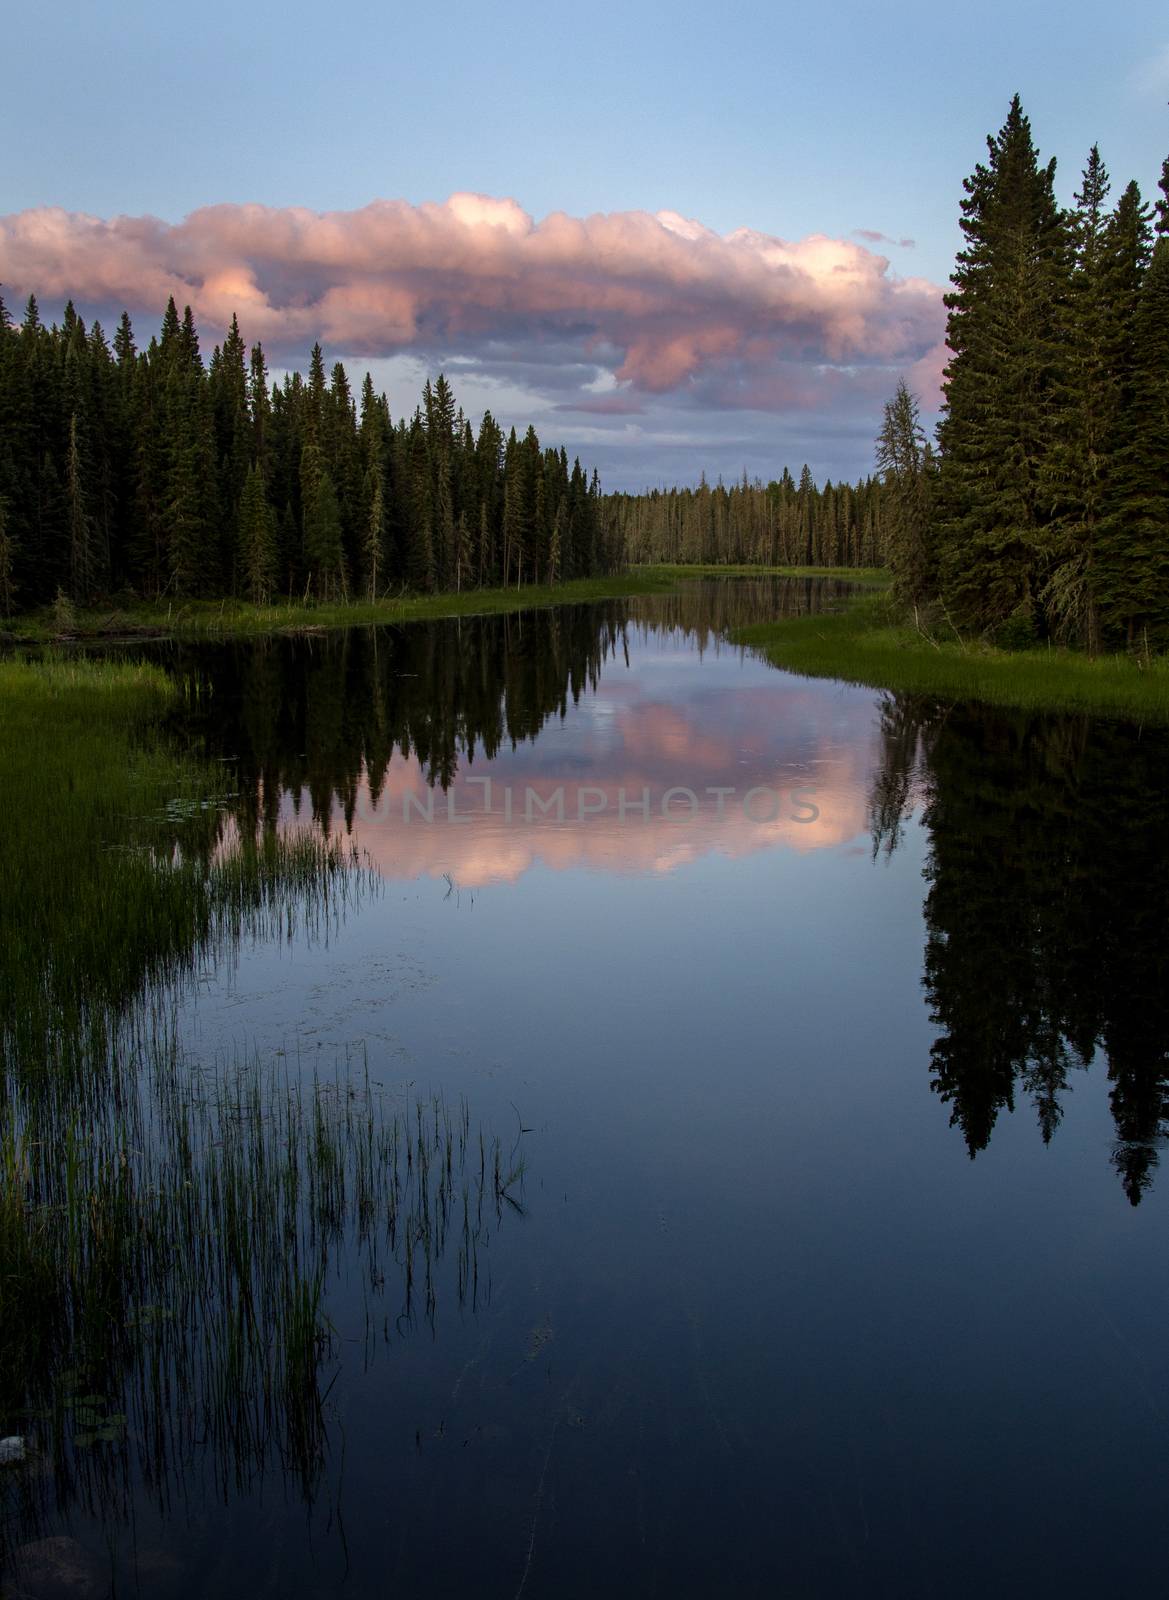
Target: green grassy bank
(869, 643)
(207, 618)
(215, 618)
(119, 858)
(866, 643)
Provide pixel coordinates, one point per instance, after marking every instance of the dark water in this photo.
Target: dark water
(831, 1029)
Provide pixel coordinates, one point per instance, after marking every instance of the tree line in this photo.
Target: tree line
(155, 473)
(1044, 512)
(781, 523)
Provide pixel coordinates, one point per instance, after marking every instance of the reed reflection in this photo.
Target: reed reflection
(172, 1230)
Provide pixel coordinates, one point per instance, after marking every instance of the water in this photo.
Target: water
(829, 1029)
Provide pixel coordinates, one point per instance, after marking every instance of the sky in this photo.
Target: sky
(677, 238)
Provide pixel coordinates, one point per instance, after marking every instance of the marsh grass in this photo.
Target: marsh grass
(170, 1230)
(868, 642)
(121, 865)
(196, 619)
(199, 619)
(170, 1263)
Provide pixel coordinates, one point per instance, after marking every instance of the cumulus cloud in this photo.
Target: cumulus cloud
(661, 303)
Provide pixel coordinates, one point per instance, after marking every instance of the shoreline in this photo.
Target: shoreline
(865, 643)
(198, 619)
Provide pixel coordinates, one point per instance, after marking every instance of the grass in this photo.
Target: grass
(679, 574)
(867, 642)
(195, 619)
(121, 864)
(182, 1243)
(864, 643)
(170, 1227)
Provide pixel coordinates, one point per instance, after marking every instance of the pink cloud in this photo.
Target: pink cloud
(669, 299)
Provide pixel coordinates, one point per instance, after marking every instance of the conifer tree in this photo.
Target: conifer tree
(555, 548)
(260, 406)
(1132, 574)
(256, 556)
(323, 551)
(903, 458)
(1084, 401)
(374, 540)
(462, 551)
(7, 562)
(1005, 321)
(420, 563)
(80, 523)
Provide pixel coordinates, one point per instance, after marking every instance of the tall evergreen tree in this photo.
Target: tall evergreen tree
(323, 550)
(903, 458)
(256, 556)
(1011, 283)
(8, 592)
(1084, 401)
(1132, 580)
(80, 523)
(373, 548)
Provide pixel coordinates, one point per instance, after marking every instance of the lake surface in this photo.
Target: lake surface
(823, 1034)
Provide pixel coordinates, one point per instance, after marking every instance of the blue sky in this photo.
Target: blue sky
(786, 120)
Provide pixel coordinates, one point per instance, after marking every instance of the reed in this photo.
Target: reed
(170, 1226)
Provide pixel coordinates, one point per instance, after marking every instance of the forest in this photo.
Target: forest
(785, 523)
(1044, 512)
(1040, 513)
(154, 473)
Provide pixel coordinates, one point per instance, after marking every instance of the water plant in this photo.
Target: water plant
(171, 1227)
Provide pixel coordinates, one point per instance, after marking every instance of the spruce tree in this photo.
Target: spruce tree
(373, 546)
(1132, 577)
(80, 523)
(323, 550)
(256, 554)
(1084, 404)
(419, 555)
(8, 590)
(903, 459)
(260, 407)
(556, 546)
(1005, 322)
(462, 551)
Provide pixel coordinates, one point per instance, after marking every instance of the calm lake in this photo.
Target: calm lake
(779, 1071)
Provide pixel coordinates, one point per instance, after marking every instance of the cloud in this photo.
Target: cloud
(604, 405)
(661, 304)
(872, 237)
